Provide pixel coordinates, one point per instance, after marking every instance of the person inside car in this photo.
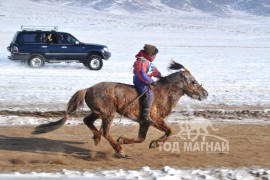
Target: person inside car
(51, 38)
(65, 39)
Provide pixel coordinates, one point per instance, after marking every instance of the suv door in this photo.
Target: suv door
(65, 47)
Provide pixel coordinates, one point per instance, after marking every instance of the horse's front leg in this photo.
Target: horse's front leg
(161, 125)
(144, 126)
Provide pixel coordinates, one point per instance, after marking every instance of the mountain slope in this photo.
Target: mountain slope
(222, 7)
(213, 7)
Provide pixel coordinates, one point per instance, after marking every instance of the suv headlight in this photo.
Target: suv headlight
(105, 49)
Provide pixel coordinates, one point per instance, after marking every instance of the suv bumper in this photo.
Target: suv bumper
(18, 57)
(106, 55)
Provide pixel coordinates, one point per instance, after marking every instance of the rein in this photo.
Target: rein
(138, 97)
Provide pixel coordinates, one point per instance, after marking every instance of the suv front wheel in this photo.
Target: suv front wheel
(94, 62)
(36, 61)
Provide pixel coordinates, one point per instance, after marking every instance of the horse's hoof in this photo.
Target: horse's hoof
(96, 140)
(120, 154)
(120, 140)
(153, 144)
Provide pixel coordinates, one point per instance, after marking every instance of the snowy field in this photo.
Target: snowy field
(229, 56)
(167, 173)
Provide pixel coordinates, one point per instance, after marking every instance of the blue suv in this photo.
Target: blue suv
(37, 46)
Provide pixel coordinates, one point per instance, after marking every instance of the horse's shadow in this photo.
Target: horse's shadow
(46, 146)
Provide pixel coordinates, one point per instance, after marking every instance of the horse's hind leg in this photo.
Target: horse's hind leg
(89, 121)
(141, 136)
(161, 125)
(106, 124)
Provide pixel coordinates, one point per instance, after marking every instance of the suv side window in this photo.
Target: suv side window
(30, 38)
(66, 39)
(50, 38)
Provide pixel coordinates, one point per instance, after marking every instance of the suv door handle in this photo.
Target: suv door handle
(64, 47)
(44, 46)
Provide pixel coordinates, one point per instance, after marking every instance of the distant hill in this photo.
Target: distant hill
(222, 7)
(213, 7)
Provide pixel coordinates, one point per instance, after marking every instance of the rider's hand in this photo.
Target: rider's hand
(154, 84)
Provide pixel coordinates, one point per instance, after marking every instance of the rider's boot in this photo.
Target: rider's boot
(146, 116)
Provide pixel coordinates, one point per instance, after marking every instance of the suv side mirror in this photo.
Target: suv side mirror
(77, 42)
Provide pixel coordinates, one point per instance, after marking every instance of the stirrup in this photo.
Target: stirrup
(148, 120)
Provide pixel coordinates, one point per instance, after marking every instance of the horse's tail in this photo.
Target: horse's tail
(75, 102)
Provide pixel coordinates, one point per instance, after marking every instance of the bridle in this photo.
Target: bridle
(192, 89)
(189, 89)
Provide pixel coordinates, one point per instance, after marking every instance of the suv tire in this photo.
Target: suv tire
(36, 61)
(94, 62)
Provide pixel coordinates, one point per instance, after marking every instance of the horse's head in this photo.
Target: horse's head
(189, 84)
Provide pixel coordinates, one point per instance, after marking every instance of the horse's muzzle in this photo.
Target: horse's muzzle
(203, 96)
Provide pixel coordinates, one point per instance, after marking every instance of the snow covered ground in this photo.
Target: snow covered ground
(166, 173)
(228, 55)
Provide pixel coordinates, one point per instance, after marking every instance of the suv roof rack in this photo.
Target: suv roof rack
(39, 28)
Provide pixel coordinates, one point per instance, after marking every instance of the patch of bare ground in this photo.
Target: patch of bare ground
(227, 113)
(71, 147)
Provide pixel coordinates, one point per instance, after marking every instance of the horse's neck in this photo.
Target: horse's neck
(171, 93)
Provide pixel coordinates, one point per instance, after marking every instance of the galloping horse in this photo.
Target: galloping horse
(105, 99)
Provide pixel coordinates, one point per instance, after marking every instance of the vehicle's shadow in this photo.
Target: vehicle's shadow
(45, 146)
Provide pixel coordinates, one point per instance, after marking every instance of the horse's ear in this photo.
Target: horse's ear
(184, 74)
(186, 70)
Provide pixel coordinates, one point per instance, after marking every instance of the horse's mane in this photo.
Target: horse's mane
(173, 66)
